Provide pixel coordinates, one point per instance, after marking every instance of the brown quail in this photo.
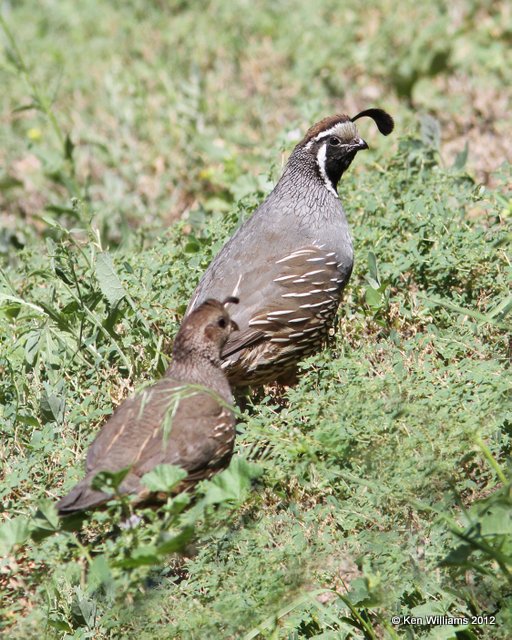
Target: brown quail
(290, 262)
(167, 422)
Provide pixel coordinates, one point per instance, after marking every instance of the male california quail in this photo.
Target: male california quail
(291, 260)
(168, 422)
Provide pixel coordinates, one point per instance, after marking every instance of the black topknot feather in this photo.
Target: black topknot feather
(382, 119)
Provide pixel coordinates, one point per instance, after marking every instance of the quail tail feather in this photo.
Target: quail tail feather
(83, 496)
(80, 498)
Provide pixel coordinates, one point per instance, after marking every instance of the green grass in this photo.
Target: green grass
(381, 484)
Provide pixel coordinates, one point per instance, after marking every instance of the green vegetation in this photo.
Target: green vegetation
(135, 137)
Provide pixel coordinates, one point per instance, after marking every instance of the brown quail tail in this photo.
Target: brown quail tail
(80, 498)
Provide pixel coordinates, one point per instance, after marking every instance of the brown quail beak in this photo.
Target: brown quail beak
(234, 326)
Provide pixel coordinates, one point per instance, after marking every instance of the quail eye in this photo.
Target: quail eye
(334, 141)
(222, 323)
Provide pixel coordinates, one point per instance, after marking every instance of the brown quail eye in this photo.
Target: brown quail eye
(334, 141)
(222, 323)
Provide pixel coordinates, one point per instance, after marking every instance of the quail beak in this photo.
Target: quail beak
(234, 326)
(360, 144)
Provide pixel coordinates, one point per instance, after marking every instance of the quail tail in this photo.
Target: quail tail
(80, 498)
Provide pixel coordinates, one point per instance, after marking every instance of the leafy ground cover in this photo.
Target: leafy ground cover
(381, 484)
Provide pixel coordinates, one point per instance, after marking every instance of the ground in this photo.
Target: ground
(135, 137)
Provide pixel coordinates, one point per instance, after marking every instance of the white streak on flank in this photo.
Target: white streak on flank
(299, 281)
(236, 290)
(283, 278)
(313, 330)
(193, 303)
(280, 313)
(279, 339)
(320, 160)
(315, 260)
(253, 323)
(316, 304)
(312, 273)
(296, 295)
(296, 254)
(293, 320)
(220, 428)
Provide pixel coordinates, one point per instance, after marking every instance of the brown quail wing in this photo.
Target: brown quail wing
(168, 422)
(145, 431)
(200, 441)
(130, 426)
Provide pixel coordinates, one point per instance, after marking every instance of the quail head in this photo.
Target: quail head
(183, 419)
(291, 260)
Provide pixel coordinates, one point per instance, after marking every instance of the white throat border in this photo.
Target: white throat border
(320, 161)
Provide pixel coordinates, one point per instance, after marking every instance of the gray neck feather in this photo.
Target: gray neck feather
(302, 189)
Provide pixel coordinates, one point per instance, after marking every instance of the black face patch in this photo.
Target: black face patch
(338, 158)
(337, 161)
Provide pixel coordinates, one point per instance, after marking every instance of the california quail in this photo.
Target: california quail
(291, 260)
(168, 422)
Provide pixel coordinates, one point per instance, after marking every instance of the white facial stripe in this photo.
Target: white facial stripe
(344, 130)
(320, 159)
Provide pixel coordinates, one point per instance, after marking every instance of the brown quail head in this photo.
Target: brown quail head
(290, 262)
(183, 419)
